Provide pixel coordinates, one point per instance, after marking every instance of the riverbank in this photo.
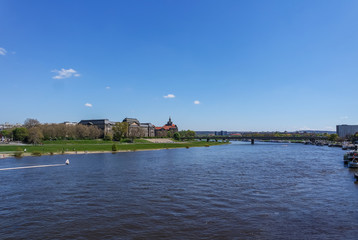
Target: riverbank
(84, 147)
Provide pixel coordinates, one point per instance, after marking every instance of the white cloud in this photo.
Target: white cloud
(108, 88)
(88, 105)
(169, 96)
(196, 102)
(344, 117)
(65, 73)
(3, 51)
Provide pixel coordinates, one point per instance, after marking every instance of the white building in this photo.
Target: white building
(344, 130)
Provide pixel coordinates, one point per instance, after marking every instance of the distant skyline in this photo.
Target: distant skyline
(210, 65)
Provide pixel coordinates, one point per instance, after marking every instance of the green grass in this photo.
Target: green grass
(98, 146)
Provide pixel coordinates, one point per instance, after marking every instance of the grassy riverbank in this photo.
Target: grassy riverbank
(81, 146)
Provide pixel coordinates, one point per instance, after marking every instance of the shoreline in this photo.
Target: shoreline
(28, 154)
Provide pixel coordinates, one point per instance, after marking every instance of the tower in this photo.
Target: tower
(169, 123)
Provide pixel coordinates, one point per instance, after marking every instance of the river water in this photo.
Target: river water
(236, 191)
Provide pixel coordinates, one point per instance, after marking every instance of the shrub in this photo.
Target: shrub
(176, 136)
(114, 147)
(18, 154)
(187, 146)
(36, 153)
(107, 138)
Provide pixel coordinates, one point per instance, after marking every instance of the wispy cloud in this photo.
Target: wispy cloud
(88, 105)
(108, 88)
(169, 96)
(65, 73)
(196, 102)
(344, 117)
(3, 51)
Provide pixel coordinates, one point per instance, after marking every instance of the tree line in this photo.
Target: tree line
(35, 132)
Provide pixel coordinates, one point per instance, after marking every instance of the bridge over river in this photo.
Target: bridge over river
(253, 138)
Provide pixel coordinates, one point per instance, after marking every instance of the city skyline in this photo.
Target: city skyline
(234, 66)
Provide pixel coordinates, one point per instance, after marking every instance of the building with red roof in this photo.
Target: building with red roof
(167, 129)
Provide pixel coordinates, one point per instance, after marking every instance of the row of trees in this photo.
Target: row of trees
(34, 132)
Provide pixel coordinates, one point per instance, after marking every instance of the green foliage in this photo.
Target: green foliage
(6, 133)
(20, 134)
(333, 137)
(176, 136)
(107, 137)
(103, 146)
(117, 136)
(18, 154)
(187, 134)
(170, 134)
(120, 131)
(36, 153)
(35, 135)
(114, 147)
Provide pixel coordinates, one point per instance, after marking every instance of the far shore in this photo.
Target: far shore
(161, 145)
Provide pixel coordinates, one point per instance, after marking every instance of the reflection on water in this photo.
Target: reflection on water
(242, 191)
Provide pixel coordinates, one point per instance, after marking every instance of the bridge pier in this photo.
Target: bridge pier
(207, 139)
(252, 141)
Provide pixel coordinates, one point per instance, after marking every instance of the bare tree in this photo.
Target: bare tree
(31, 122)
(35, 135)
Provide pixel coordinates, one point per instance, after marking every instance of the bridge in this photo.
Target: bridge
(253, 138)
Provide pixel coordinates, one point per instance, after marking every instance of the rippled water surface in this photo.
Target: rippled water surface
(236, 191)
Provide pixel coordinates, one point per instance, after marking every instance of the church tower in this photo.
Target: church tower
(169, 123)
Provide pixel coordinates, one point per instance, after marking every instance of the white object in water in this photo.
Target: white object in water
(67, 162)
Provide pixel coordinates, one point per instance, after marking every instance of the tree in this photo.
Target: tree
(114, 147)
(6, 133)
(107, 137)
(31, 122)
(20, 134)
(187, 133)
(176, 136)
(333, 137)
(120, 130)
(35, 135)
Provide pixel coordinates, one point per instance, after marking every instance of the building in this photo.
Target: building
(221, 133)
(137, 129)
(167, 128)
(67, 123)
(7, 125)
(103, 124)
(147, 130)
(344, 130)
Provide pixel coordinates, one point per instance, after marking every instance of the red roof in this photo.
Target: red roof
(166, 127)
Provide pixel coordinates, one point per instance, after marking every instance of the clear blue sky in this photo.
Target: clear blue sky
(251, 65)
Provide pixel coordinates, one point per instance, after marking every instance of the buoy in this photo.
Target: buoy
(67, 162)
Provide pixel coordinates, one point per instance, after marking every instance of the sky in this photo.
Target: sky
(210, 65)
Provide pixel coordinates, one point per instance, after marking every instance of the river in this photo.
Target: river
(236, 191)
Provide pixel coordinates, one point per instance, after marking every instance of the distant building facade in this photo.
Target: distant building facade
(221, 133)
(70, 123)
(103, 124)
(137, 129)
(344, 130)
(147, 130)
(163, 131)
(7, 125)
